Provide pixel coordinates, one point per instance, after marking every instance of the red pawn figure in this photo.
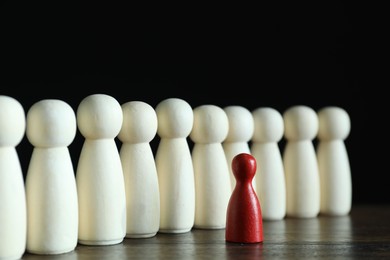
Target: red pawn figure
(244, 223)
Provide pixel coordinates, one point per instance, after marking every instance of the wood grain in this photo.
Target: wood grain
(365, 233)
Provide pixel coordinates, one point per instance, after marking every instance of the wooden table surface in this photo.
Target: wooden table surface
(363, 234)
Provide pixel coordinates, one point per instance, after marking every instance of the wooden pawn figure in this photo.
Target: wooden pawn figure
(212, 176)
(139, 169)
(244, 222)
(13, 213)
(174, 166)
(241, 128)
(99, 175)
(51, 192)
(300, 162)
(270, 176)
(333, 161)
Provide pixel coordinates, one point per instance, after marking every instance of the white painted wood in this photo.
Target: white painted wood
(241, 127)
(52, 206)
(333, 161)
(174, 166)
(270, 176)
(212, 176)
(13, 213)
(99, 175)
(140, 173)
(300, 162)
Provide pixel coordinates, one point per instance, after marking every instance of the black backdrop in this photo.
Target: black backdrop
(275, 55)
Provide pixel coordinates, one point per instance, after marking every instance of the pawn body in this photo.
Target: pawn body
(241, 128)
(13, 213)
(139, 170)
(50, 182)
(244, 222)
(300, 162)
(99, 176)
(174, 166)
(333, 161)
(212, 176)
(270, 176)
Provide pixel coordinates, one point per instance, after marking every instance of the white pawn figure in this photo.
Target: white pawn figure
(300, 162)
(241, 127)
(333, 162)
(212, 176)
(270, 177)
(13, 216)
(139, 169)
(51, 191)
(174, 166)
(99, 175)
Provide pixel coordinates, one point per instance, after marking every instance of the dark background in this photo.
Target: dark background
(269, 55)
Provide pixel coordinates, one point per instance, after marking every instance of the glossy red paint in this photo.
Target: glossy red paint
(244, 222)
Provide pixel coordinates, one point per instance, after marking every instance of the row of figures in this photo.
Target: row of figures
(132, 193)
